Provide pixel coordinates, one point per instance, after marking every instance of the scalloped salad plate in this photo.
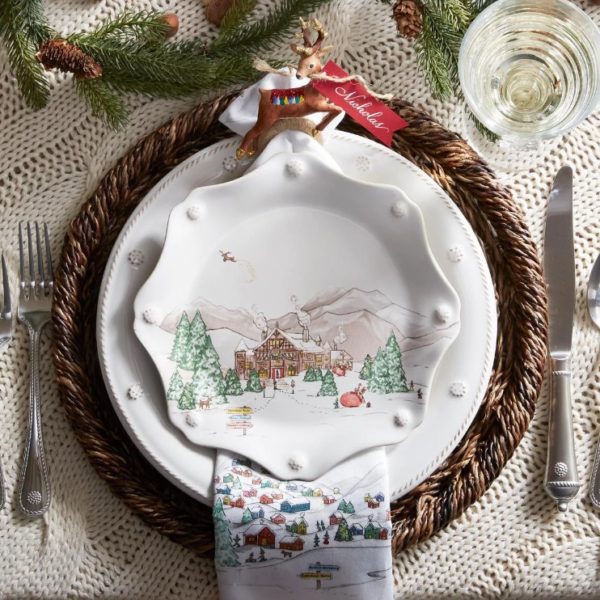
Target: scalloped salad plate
(296, 315)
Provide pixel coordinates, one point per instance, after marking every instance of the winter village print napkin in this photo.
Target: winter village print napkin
(299, 539)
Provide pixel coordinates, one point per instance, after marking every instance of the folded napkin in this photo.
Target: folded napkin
(295, 539)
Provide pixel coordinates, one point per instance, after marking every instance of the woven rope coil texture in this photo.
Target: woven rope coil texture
(511, 395)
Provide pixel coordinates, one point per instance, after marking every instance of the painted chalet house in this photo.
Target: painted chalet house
(328, 499)
(250, 493)
(336, 518)
(228, 478)
(247, 473)
(277, 495)
(295, 505)
(291, 542)
(374, 531)
(278, 519)
(256, 511)
(266, 484)
(256, 481)
(265, 499)
(224, 490)
(372, 503)
(299, 526)
(259, 535)
(238, 503)
(284, 354)
(226, 500)
(356, 529)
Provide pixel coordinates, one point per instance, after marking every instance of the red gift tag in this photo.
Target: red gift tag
(364, 108)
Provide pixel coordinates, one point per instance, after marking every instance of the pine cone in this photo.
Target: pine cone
(215, 10)
(171, 20)
(60, 54)
(409, 18)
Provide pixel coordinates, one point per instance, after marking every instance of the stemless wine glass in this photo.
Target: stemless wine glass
(530, 69)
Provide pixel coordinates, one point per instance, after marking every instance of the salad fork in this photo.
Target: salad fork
(37, 284)
(5, 331)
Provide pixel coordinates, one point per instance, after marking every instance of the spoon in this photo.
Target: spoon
(593, 293)
(593, 305)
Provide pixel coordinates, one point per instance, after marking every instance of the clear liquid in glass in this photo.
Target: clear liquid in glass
(529, 69)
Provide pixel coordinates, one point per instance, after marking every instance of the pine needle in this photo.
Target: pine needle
(103, 102)
(23, 27)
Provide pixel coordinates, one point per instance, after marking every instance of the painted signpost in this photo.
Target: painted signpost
(319, 572)
(240, 418)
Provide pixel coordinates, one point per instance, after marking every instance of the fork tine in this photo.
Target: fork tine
(21, 258)
(6, 309)
(40, 258)
(32, 285)
(48, 255)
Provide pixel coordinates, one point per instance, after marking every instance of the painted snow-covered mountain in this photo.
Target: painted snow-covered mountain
(366, 317)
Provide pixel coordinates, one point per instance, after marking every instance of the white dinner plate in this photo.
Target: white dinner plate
(459, 382)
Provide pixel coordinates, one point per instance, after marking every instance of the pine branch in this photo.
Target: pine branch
(147, 27)
(444, 25)
(23, 27)
(237, 13)
(275, 28)
(103, 102)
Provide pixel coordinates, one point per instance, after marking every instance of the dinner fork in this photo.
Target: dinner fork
(5, 331)
(34, 312)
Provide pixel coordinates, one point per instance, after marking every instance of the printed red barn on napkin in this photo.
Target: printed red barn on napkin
(365, 109)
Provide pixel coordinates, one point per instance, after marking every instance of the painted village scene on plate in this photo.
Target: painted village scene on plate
(295, 327)
(306, 533)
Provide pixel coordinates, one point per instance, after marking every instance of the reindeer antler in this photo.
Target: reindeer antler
(309, 47)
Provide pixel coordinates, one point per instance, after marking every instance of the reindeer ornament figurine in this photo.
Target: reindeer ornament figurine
(297, 102)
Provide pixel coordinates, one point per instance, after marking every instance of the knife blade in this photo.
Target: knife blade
(561, 480)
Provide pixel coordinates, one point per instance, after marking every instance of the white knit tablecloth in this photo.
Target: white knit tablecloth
(512, 542)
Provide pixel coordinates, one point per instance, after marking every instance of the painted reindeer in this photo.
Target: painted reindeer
(294, 102)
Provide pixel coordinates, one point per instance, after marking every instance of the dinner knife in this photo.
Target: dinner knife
(561, 480)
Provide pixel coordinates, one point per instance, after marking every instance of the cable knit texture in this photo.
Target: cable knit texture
(512, 543)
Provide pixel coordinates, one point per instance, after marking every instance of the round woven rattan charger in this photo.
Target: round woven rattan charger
(520, 354)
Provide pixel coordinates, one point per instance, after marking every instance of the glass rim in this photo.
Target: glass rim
(473, 30)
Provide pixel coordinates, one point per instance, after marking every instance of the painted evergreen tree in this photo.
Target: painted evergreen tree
(310, 374)
(323, 525)
(181, 346)
(176, 386)
(380, 378)
(218, 511)
(318, 374)
(261, 555)
(236, 484)
(328, 387)
(254, 384)
(237, 540)
(318, 526)
(393, 357)
(246, 516)
(336, 403)
(225, 554)
(233, 387)
(343, 533)
(187, 400)
(350, 508)
(316, 541)
(326, 539)
(367, 368)
(197, 345)
(342, 506)
(209, 375)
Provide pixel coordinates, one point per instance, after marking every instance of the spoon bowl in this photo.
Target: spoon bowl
(593, 293)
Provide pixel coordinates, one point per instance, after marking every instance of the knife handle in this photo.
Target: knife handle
(561, 480)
